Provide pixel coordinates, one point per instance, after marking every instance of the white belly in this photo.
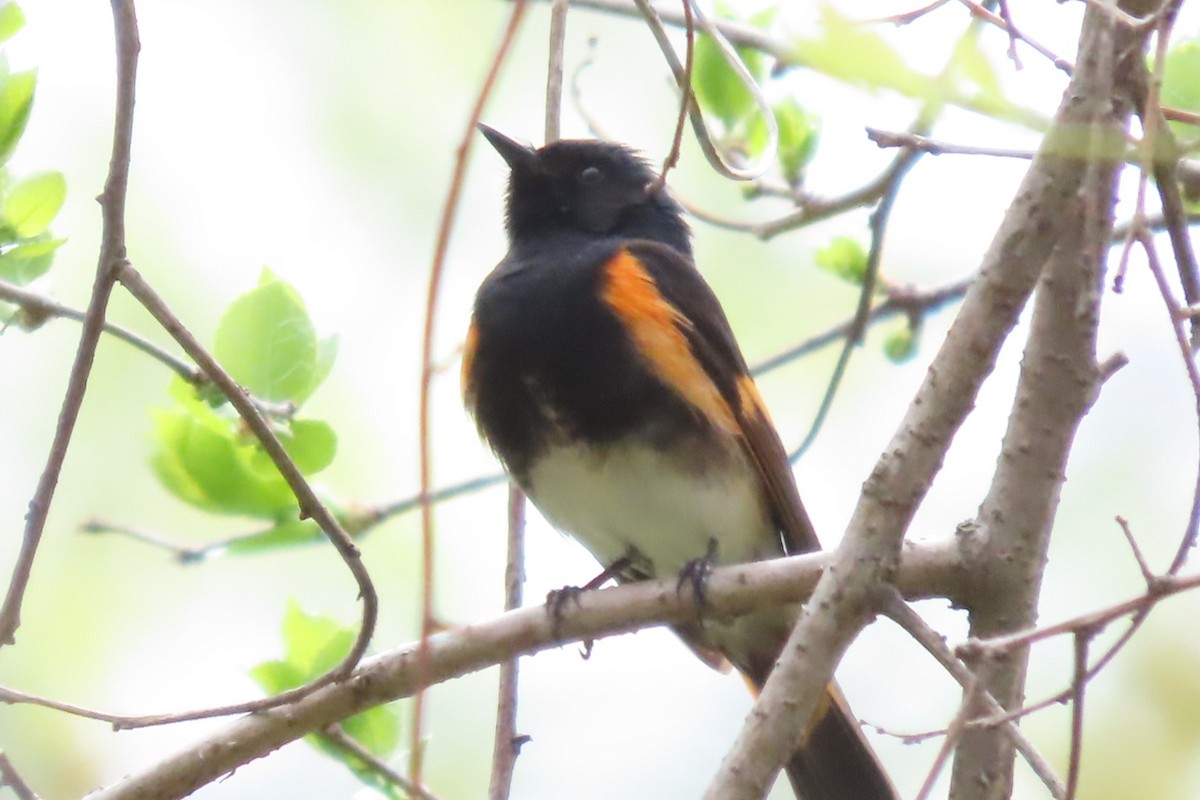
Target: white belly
(668, 511)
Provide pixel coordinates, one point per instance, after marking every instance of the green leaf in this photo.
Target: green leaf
(290, 530)
(798, 137)
(286, 533)
(311, 444)
(204, 458)
(28, 260)
(32, 204)
(975, 66)
(1181, 82)
(276, 676)
(845, 258)
(377, 729)
(852, 53)
(12, 19)
(900, 347)
(267, 342)
(901, 344)
(16, 99)
(856, 55)
(327, 350)
(314, 644)
(718, 88)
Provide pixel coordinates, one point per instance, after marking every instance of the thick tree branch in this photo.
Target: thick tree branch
(926, 570)
(1058, 383)
(842, 603)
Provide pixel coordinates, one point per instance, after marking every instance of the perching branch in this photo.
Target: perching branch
(925, 570)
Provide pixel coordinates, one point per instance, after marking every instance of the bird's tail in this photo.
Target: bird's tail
(834, 760)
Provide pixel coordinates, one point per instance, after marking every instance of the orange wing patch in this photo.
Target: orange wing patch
(657, 329)
(468, 359)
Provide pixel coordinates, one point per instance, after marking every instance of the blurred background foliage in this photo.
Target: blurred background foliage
(289, 163)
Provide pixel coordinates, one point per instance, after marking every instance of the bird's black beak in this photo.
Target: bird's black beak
(514, 153)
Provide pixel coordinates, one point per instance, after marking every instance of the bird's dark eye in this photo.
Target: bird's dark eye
(591, 175)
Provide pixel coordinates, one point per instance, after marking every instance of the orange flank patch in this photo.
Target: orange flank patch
(657, 329)
(468, 358)
(750, 402)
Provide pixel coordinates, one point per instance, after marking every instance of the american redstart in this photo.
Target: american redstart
(601, 369)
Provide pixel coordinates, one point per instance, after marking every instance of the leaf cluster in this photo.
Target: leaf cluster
(29, 204)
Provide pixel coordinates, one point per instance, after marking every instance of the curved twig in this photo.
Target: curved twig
(310, 504)
(715, 159)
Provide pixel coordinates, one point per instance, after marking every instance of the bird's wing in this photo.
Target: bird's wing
(678, 325)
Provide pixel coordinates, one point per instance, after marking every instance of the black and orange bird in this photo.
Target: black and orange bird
(600, 368)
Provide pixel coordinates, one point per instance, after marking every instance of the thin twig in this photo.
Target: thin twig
(934, 147)
(336, 735)
(954, 732)
(1147, 574)
(357, 521)
(900, 612)
(1078, 687)
(445, 226)
(858, 326)
(715, 159)
(900, 300)
(1181, 115)
(554, 70)
(1013, 33)
(789, 52)
(1152, 222)
(1175, 313)
(506, 745)
(40, 308)
(310, 504)
(1004, 22)
(686, 98)
(812, 210)
(12, 779)
(112, 251)
(1164, 586)
(1160, 155)
(906, 17)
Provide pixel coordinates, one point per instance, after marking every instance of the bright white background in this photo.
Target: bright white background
(317, 138)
